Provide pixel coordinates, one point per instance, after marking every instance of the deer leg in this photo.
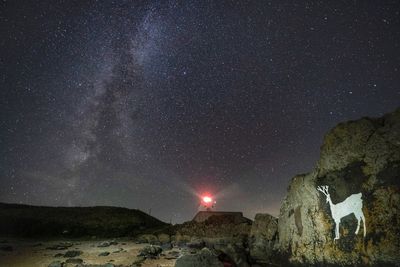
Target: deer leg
(358, 224)
(363, 219)
(337, 230)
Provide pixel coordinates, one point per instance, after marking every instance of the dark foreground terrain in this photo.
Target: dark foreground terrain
(34, 221)
(358, 157)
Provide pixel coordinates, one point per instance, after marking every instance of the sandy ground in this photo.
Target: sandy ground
(28, 253)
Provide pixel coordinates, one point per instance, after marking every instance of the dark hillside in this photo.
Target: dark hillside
(30, 221)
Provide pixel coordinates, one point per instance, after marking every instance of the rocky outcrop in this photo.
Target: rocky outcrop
(225, 237)
(360, 156)
(204, 258)
(262, 239)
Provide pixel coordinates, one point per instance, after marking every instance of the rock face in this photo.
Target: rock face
(263, 237)
(226, 237)
(204, 258)
(360, 156)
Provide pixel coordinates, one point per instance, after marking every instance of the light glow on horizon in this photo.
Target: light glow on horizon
(207, 199)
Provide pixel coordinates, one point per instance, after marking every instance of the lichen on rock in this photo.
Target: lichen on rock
(360, 156)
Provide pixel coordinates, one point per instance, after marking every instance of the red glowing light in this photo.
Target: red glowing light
(207, 199)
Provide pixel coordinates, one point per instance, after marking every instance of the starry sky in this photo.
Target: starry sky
(149, 104)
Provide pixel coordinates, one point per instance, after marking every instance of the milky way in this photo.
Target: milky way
(147, 104)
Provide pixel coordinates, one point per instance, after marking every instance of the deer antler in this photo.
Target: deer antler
(323, 189)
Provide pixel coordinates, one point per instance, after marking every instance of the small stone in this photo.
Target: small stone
(56, 264)
(103, 254)
(60, 246)
(74, 261)
(72, 253)
(104, 244)
(118, 251)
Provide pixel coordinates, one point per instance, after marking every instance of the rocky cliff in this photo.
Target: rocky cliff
(360, 156)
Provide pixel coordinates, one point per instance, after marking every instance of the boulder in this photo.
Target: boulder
(232, 254)
(263, 238)
(201, 259)
(150, 251)
(360, 160)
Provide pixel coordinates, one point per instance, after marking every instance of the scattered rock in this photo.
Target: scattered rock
(61, 246)
(118, 251)
(232, 253)
(107, 244)
(56, 264)
(103, 254)
(104, 244)
(74, 261)
(150, 251)
(98, 265)
(204, 258)
(59, 255)
(72, 253)
(172, 255)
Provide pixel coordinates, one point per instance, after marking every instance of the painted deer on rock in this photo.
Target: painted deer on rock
(352, 204)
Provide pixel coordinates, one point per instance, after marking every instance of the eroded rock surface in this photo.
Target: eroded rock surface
(227, 238)
(360, 156)
(263, 237)
(204, 258)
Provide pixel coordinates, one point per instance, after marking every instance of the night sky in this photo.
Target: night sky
(148, 104)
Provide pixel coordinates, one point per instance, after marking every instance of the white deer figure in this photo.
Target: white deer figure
(352, 204)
